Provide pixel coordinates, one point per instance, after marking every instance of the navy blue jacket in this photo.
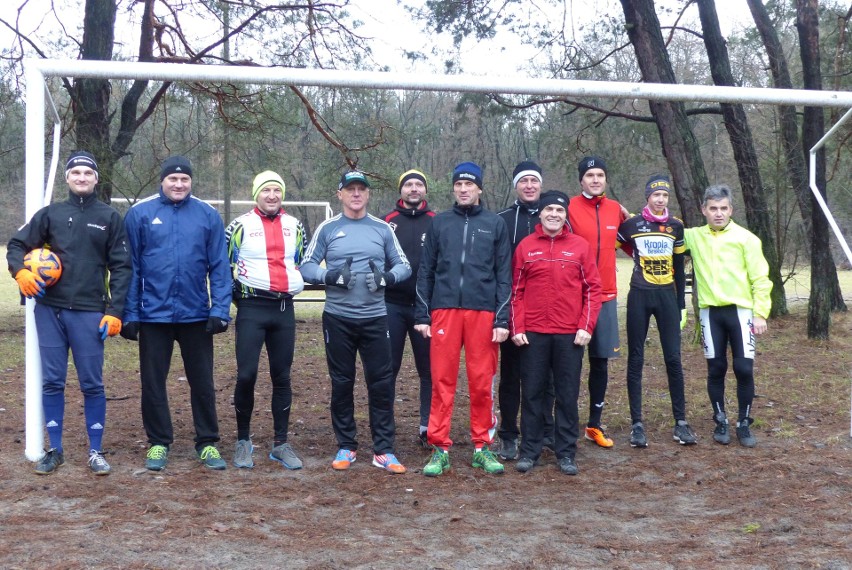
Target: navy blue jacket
(175, 248)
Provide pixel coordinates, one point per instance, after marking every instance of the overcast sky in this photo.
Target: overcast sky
(394, 31)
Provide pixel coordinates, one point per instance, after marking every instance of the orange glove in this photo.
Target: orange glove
(110, 326)
(29, 283)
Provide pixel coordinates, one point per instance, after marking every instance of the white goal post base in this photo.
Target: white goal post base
(35, 72)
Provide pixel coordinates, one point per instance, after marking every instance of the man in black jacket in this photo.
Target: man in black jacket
(463, 290)
(410, 221)
(79, 312)
(521, 218)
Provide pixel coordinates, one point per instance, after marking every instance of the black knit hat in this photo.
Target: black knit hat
(590, 162)
(412, 174)
(175, 164)
(657, 182)
(552, 197)
(526, 168)
(81, 158)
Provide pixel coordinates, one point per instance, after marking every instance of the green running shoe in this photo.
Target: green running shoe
(157, 457)
(210, 457)
(487, 461)
(438, 464)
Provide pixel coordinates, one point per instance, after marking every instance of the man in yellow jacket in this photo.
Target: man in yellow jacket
(733, 287)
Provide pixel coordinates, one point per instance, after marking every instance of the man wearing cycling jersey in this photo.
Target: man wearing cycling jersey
(734, 301)
(265, 248)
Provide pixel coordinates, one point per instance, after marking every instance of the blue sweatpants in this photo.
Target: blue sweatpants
(58, 330)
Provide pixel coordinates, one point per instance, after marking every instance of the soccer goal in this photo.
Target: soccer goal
(37, 193)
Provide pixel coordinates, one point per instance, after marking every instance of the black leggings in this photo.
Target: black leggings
(721, 326)
(271, 322)
(662, 304)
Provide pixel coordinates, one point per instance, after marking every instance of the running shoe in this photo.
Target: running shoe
(388, 462)
(438, 464)
(683, 434)
(597, 435)
(242, 454)
(211, 458)
(524, 464)
(343, 459)
(508, 449)
(744, 433)
(721, 433)
(285, 455)
(637, 435)
(568, 466)
(486, 460)
(156, 458)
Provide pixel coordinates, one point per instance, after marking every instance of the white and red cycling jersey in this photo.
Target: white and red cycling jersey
(265, 253)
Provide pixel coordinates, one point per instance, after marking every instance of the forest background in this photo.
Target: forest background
(310, 135)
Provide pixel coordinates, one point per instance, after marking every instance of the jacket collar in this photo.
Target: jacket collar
(406, 211)
(86, 200)
(467, 210)
(539, 232)
(277, 214)
(531, 209)
(166, 200)
(594, 200)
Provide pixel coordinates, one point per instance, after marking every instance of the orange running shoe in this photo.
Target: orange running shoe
(388, 462)
(343, 459)
(598, 436)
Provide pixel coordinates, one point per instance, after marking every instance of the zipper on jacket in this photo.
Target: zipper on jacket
(598, 224)
(464, 251)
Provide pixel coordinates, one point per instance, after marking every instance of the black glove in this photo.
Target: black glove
(378, 280)
(216, 325)
(130, 330)
(342, 276)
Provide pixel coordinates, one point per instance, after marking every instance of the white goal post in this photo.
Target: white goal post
(37, 70)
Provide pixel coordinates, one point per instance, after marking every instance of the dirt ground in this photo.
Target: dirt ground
(784, 504)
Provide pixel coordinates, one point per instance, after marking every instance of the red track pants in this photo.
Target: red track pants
(452, 329)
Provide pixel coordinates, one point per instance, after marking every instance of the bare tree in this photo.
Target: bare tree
(795, 155)
(680, 147)
(313, 33)
(813, 127)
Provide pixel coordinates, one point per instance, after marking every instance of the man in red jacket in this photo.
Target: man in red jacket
(555, 303)
(596, 218)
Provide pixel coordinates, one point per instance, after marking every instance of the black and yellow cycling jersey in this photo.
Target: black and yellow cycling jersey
(654, 245)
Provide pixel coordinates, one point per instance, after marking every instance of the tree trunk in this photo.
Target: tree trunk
(91, 96)
(745, 155)
(796, 156)
(819, 306)
(680, 147)
(797, 168)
